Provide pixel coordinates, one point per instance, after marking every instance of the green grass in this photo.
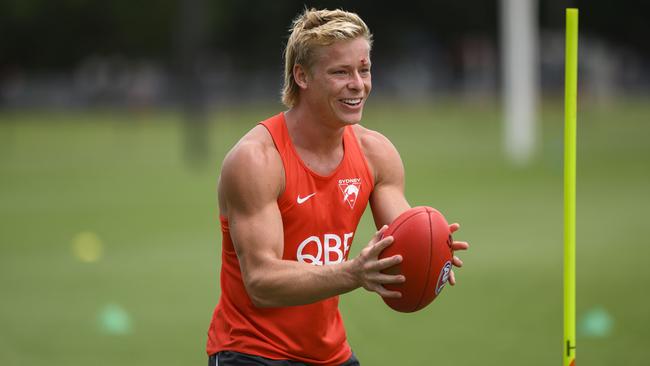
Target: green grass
(124, 176)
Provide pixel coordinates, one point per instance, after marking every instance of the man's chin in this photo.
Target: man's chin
(351, 119)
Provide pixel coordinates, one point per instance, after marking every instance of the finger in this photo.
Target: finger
(381, 232)
(457, 262)
(381, 245)
(452, 278)
(382, 278)
(381, 290)
(454, 227)
(459, 245)
(384, 263)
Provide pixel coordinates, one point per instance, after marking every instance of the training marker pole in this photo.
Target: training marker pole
(570, 128)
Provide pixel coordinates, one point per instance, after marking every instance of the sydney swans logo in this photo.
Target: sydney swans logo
(350, 189)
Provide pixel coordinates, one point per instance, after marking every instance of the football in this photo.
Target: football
(423, 239)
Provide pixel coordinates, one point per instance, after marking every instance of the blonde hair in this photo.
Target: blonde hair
(310, 30)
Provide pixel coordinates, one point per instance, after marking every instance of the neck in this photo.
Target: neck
(311, 132)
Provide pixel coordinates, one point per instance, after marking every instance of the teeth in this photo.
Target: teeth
(352, 101)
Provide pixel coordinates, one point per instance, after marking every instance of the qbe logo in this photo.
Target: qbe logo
(330, 250)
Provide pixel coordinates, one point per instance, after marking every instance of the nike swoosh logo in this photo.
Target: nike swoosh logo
(302, 200)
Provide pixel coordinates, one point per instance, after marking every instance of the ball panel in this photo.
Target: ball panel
(423, 239)
(440, 259)
(414, 267)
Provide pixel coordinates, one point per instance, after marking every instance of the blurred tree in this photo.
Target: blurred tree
(42, 34)
(190, 45)
(57, 35)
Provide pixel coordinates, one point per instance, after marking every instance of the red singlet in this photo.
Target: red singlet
(319, 216)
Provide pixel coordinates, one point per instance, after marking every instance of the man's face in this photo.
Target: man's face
(339, 81)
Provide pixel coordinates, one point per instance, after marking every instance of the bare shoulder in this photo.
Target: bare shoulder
(371, 141)
(256, 146)
(378, 149)
(251, 173)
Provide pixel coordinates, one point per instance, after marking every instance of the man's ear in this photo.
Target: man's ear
(300, 76)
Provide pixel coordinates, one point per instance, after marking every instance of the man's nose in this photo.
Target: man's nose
(356, 81)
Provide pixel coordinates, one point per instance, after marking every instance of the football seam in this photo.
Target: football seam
(404, 220)
(426, 285)
(401, 223)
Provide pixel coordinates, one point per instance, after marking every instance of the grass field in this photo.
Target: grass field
(148, 297)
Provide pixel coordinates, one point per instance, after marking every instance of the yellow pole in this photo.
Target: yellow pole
(570, 128)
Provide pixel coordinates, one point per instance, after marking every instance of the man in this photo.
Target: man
(291, 194)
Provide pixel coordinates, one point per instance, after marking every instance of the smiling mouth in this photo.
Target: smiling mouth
(352, 101)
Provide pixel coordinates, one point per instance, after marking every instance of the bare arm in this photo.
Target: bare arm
(251, 181)
(388, 200)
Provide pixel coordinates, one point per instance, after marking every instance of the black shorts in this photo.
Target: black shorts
(229, 358)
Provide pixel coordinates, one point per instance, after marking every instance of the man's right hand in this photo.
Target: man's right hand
(368, 266)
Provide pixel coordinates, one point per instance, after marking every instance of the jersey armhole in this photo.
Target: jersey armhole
(282, 201)
(366, 164)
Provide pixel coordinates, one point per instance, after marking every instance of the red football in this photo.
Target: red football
(422, 237)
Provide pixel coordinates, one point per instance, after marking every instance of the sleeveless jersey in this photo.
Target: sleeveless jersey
(319, 216)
